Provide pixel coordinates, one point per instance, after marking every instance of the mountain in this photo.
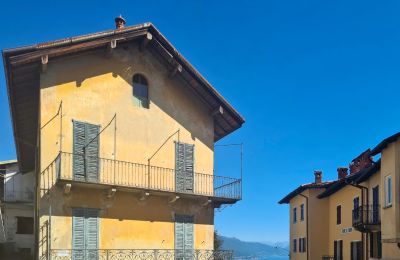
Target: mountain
(254, 250)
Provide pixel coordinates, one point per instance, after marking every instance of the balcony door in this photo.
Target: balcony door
(85, 151)
(184, 167)
(184, 237)
(85, 234)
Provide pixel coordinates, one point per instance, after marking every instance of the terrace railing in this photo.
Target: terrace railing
(139, 254)
(136, 175)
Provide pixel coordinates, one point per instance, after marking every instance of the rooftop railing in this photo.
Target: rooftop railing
(135, 175)
(139, 254)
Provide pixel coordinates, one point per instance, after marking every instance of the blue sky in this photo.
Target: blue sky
(317, 81)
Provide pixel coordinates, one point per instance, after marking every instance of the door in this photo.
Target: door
(375, 205)
(184, 167)
(356, 250)
(85, 233)
(184, 237)
(85, 151)
(338, 250)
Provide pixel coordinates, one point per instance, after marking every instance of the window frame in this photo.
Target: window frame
(294, 215)
(144, 102)
(294, 249)
(339, 214)
(302, 212)
(18, 230)
(388, 193)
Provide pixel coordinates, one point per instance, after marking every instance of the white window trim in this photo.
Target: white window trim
(387, 193)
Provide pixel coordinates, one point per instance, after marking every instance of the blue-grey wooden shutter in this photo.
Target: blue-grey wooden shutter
(78, 146)
(91, 232)
(189, 237)
(179, 237)
(179, 167)
(189, 167)
(78, 234)
(92, 152)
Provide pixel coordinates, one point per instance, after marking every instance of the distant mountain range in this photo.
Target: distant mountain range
(254, 250)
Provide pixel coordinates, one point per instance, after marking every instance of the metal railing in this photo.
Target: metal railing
(328, 257)
(366, 215)
(139, 254)
(136, 175)
(19, 196)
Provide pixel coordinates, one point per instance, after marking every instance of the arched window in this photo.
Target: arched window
(141, 90)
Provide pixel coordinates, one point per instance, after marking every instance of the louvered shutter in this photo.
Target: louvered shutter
(92, 152)
(189, 237)
(335, 247)
(189, 167)
(78, 145)
(179, 167)
(379, 243)
(78, 233)
(341, 249)
(91, 232)
(179, 237)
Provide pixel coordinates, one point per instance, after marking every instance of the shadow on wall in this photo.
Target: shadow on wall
(125, 205)
(126, 61)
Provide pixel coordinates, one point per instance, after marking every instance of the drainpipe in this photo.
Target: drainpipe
(362, 188)
(308, 252)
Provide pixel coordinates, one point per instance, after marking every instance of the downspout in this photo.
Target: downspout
(306, 224)
(362, 188)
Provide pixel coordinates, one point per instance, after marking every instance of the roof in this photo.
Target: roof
(8, 162)
(352, 178)
(304, 187)
(382, 145)
(371, 171)
(23, 65)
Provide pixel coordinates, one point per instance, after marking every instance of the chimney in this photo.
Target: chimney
(119, 22)
(342, 172)
(361, 162)
(318, 176)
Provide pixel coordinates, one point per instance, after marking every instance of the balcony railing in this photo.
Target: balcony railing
(366, 217)
(135, 175)
(19, 196)
(139, 254)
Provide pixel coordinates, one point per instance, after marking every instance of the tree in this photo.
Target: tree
(217, 241)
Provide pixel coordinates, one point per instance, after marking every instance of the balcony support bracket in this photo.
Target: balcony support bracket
(67, 188)
(111, 193)
(206, 203)
(173, 199)
(144, 196)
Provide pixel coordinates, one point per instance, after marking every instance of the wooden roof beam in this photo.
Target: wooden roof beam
(147, 38)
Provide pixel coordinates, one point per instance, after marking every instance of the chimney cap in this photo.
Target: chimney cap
(119, 22)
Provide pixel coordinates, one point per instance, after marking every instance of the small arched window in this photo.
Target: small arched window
(141, 90)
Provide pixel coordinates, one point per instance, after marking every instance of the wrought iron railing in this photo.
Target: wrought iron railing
(366, 215)
(328, 257)
(136, 175)
(139, 254)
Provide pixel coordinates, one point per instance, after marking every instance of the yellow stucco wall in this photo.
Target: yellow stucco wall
(318, 227)
(344, 197)
(92, 89)
(298, 229)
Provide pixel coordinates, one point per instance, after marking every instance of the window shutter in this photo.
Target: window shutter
(92, 152)
(189, 167)
(179, 237)
(335, 250)
(379, 243)
(78, 233)
(179, 166)
(91, 232)
(341, 249)
(78, 145)
(189, 237)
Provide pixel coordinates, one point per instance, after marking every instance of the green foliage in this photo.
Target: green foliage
(217, 241)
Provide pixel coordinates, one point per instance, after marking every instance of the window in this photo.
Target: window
(338, 250)
(302, 212)
(339, 215)
(388, 191)
(375, 245)
(356, 208)
(302, 244)
(24, 225)
(294, 245)
(356, 250)
(294, 215)
(141, 90)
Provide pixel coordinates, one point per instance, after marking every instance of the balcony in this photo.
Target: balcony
(366, 218)
(139, 254)
(130, 176)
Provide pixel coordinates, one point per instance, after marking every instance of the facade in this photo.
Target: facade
(16, 211)
(124, 129)
(353, 217)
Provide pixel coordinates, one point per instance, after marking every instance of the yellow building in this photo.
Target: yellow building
(119, 130)
(354, 217)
